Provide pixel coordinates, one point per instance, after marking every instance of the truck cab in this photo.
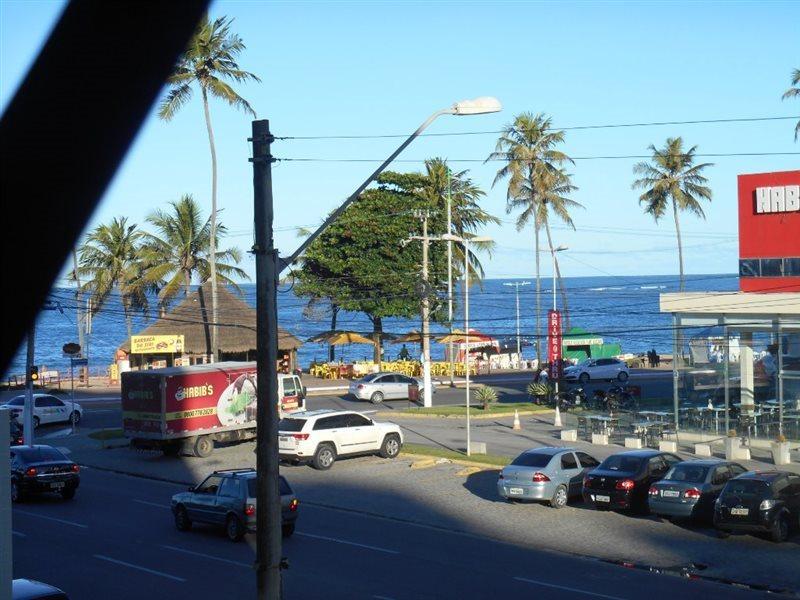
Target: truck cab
(292, 393)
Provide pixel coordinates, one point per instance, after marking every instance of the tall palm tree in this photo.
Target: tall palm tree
(528, 148)
(794, 92)
(209, 62)
(110, 259)
(180, 251)
(553, 193)
(673, 177)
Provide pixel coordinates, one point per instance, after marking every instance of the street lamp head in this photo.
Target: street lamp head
(477, 106)
(479, 238)
(561, 249)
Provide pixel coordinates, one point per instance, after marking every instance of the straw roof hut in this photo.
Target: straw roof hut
(236, 333)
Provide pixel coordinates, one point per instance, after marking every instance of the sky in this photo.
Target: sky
(374, 68)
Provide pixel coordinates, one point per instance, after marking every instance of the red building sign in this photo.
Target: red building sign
(554, 343)
(769, 232)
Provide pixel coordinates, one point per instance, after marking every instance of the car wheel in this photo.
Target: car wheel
(622, 376)
(584, 378)
(287, 530)
(559, 499)
(376, 398)
(780, 530)
(204, 446)
(75, 417)
(68, 493)
(324, 457)
(16, 493)
(391, 446)
(35, 422)
(234, 529)
(182, 522)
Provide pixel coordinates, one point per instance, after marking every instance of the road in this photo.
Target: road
(116, 540)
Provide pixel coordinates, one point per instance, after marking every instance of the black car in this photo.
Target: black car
(622, 481)
(228, 498)
(689, 489)
(759, 502)
(42, 469)
(28, 589)
(15, 435)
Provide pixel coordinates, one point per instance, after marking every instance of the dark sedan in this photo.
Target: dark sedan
(759, 502)
(689, 489)
(622, 481)
(42, 469)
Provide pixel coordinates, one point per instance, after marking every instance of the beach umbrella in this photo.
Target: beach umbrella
(412, 337)
(337, 338)
(459, 337)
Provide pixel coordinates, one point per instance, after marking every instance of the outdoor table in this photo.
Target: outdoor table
(655, 413)
(716, 412)
(608, 423)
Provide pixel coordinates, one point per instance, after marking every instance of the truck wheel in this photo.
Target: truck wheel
(204, 446)
(390, 447)
(376, 398)
(324, 457)
(234, 528)
(287, 530)
(182, 522)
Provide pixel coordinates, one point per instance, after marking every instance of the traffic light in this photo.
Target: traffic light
(34, 374)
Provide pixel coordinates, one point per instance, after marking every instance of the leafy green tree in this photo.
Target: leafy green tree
(528, 147)
(359, 262)
(180, 250)
(794, 92)
(672, 178)
(110, 260)
(210, 63)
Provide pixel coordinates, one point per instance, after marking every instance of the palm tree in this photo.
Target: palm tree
(180, 251)
(528, 148)
(110, 259)
(210, 62)
(672, 176)
(794, 92)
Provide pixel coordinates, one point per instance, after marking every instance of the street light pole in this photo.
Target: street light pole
(450, 277)
(516, 284)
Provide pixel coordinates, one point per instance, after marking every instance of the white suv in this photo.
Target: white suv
(321, 436)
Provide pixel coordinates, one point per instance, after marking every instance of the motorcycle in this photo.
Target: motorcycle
(571, 399)
(619, 398)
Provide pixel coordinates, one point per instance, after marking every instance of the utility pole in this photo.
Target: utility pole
(27, 411)
(268, 511)
(516, 284)
(450, 277)
(80, 316)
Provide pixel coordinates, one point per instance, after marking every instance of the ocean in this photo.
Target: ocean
(624, 310)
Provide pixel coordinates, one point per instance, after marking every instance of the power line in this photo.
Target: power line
(570, 128)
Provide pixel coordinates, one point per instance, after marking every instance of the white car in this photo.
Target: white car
(46, 409)
(319, 437)
(377, 387)
(597, 368)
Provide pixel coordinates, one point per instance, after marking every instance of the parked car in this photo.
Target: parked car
(320, 437)
(690, 488)
(597, 368)
(377, 387)
(759, 502)
(41, 469)
(228, 498)
(622, 481)
(550, 474)
(28, 589)
(46, 409)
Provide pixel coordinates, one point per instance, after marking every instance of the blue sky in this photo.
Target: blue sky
(382, 67)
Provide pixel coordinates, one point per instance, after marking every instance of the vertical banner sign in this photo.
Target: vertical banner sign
(554, 343)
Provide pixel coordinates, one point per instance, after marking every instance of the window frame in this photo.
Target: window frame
(586, 454)
(212, 476)
(570, 455)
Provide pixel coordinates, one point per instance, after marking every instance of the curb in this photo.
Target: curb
(402, 415)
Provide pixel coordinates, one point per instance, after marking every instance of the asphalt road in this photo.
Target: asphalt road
(116, 540)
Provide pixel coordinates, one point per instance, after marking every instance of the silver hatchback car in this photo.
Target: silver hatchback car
(377, 387)
(546, 474)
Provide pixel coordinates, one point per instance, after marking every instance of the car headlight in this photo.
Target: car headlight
(766, 505)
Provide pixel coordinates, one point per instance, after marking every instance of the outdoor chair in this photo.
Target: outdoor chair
(583, 428)
(746, 424)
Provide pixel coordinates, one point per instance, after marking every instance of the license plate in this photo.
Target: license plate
(57, 485)
(516, 491)
(670, 494)
(283, 439)
(740, 511)
(599, 498)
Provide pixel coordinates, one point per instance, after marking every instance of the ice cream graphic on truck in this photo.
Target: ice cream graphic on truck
(187, 409)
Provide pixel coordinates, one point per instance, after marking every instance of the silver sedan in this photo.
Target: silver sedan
(377, 387)
(546, 474)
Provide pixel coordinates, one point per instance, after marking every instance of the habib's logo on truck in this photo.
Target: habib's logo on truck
(195, 391)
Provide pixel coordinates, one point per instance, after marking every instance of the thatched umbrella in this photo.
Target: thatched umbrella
(337, 338)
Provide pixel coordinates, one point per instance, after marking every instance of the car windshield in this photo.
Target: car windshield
(687, 473)
(532, 459)
(291, 424)
(746, 487)
(251, 487)
(19, 401)
(35, 455)
(623, 464)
